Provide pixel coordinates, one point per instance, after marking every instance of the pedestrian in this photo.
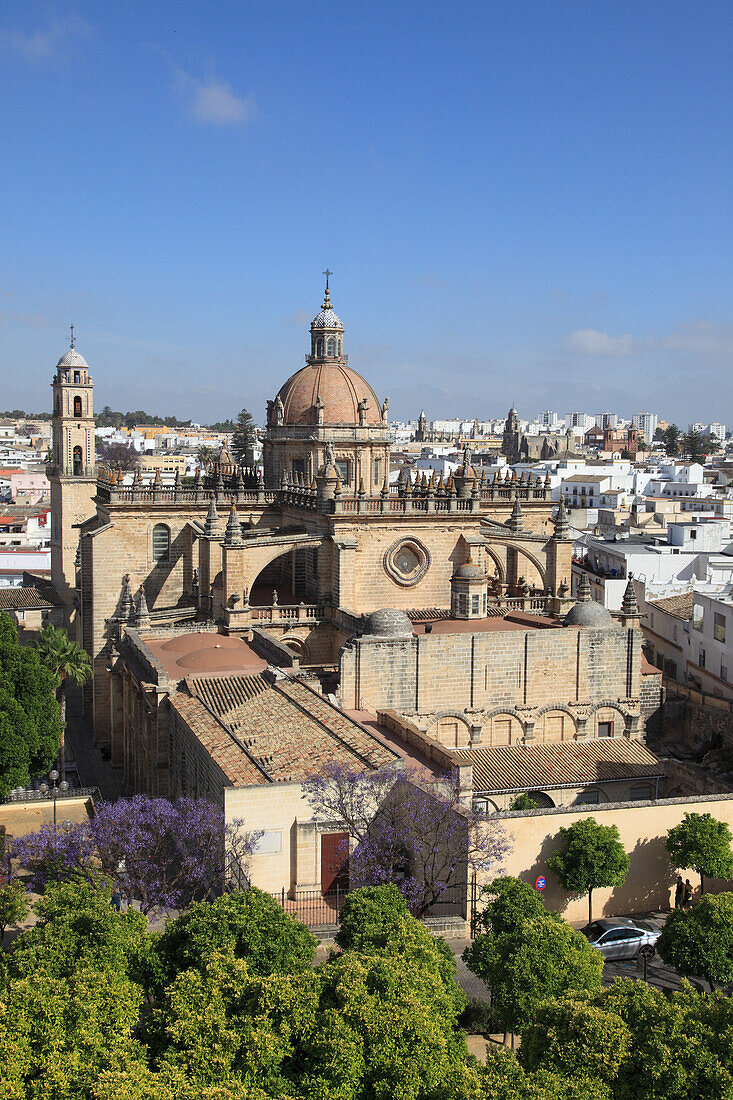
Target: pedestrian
(116, 900)
(679, 890)
(687, 895)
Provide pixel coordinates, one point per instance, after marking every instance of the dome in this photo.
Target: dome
(469, 571)
(389, 622)
(72, 359)
(327, 319)
(340, 390)
(588, 613)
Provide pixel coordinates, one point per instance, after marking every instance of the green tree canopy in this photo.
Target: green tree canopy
(698, 942)
(13, 906)
(591, 855)
(697, 446)
(249, 924)
(76, 927)
(30, 722)
(702, 843)
(244, 439)
(527, 955)
(576, 1038)
(370, 916)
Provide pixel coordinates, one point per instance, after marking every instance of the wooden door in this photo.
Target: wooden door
(334, 861)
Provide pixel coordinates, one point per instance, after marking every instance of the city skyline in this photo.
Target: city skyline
(516, 204)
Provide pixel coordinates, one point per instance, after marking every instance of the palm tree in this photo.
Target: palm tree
(64, 659)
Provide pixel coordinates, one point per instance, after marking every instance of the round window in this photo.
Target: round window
(407, 561)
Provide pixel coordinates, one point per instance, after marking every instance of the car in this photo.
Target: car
(620, 939)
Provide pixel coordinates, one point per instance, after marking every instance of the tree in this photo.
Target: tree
(523, 802)
(164, 855)
(55, 855)
(65, 660)
(592, 855)
(244, 439)
(410, 830)
(699, 942)
(672, 439)
(30, 724)
(77, 928)
(13, 906)
(697, 445)
(205, 455)
(56, 1037)
(531, 959)
(118, 456)
(370, 916)
(249, 924)
(575, 1038)
(702, 843)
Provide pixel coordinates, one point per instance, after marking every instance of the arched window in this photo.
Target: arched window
(77, 406)
(161, 542)
(78, 461)
(331, 346)
(319, 347)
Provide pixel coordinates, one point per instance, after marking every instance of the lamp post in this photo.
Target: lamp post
(54, 791)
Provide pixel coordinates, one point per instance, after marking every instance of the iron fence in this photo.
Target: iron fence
(313, 908)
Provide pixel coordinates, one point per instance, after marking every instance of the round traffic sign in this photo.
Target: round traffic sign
(541, 882)
(646, 951)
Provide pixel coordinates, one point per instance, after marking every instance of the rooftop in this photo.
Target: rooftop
(264, 730)
(571, 764)
(679, 606)
(26, 599)
(204, 654)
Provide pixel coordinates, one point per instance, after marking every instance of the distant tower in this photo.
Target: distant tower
(512, 436)
(72, 470)
(422, 424)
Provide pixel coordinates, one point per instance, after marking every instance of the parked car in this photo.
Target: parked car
(620, 939)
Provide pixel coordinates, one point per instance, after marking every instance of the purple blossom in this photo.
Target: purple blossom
(163, 854)
(408, 828)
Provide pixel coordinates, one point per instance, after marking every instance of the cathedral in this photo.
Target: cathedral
(518, 447)
(249, 624)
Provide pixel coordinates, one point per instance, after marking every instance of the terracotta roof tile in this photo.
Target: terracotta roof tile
(572, 764)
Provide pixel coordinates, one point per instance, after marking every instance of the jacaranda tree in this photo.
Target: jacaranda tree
(409, 829)
(163, 854)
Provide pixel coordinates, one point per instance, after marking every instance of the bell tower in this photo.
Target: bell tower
(72, 470)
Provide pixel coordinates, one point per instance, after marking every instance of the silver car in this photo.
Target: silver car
(619, 939)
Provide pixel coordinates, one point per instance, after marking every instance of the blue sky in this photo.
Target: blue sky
(522, 202)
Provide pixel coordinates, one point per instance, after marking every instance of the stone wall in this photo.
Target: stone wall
(643, 827)
(511, 682)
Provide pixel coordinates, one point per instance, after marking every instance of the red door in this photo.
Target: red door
(334, 861)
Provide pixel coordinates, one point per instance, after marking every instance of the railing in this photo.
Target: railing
(287, 613)
(29, 794)
(313, 908)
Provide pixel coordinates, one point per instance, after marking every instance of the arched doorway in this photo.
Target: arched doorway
(78, 462)
(291, 578)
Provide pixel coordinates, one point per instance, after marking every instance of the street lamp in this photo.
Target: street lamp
(54, 791)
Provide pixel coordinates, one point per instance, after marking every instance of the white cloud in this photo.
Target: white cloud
(701, 337)
(50, 42)
(212, 102)
(589, 341)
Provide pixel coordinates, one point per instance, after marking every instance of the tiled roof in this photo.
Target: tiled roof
(25, 599)
(262, 731)
(572, 764)
(679, 606)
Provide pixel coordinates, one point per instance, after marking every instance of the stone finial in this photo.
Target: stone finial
(127, 606)
(629, 606)
(516, 520)
(562, 527)
(233, 533)
(584, 593)
(142, 614)
(212, 526)
(157, 479)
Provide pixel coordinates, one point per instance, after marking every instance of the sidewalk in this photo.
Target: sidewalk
(94, 770)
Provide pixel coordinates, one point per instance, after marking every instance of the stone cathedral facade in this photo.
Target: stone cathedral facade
(302, 557)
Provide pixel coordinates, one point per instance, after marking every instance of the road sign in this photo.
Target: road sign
(541, 882)
(646, 951)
